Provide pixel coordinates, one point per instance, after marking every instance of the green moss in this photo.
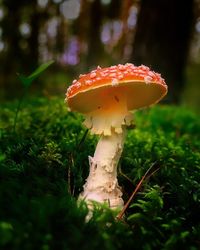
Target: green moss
(43, 166)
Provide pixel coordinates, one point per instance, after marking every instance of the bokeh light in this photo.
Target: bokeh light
(70, 9)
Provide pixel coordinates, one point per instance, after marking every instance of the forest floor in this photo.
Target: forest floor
(43, 167)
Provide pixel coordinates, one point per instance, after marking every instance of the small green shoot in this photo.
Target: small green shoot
(26, 82)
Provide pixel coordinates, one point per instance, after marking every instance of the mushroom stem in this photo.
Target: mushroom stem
(102, 185)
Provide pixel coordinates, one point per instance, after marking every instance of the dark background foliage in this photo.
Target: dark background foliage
(81, 34)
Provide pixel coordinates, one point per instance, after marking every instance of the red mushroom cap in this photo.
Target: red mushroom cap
(141, 86)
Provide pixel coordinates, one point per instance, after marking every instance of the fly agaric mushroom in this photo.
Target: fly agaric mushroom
(106, 96)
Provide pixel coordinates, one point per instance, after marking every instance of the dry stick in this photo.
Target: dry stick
(82, 139)
(69, 173)
(152, 173)
(125, 176)
(120, 215)
(71, 168)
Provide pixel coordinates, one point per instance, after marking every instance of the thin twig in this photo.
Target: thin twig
(71, 166)
(156, 170)
(82, 139)
(120, 215)
(69, 176)
(125, 176)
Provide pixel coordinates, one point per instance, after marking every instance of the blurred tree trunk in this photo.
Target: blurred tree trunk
(127, 35)
(22, 58)
(13, 54)
(162, 40)
(33, 39)
(11, 36)
(61, 38)
(95, 47)
(81, 30)
(21, 53)
(114, 8)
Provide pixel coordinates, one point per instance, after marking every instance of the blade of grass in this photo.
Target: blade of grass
(27, 80)
(38, 71)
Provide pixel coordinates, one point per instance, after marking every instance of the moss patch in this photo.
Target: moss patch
(43, 166)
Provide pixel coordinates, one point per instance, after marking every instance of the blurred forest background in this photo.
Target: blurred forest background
(81, 34)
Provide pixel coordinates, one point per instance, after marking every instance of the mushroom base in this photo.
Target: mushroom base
(102, 185)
